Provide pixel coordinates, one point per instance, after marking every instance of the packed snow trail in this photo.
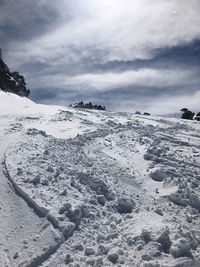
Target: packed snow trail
(122, 189)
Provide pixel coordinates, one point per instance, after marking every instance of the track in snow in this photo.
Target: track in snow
(81, 179)
(121, 188)
(26, 238)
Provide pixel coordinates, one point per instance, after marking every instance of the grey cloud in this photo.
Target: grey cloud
(23, 20)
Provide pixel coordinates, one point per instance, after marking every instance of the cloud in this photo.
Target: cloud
(117, 30)
(104, 50)
(142, 77)
(162, 105)
(22, 20)
(170, 105)
(157, 79)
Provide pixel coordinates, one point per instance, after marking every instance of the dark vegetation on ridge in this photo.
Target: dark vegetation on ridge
(145, 113)
(87, 106)
(189, 115)
(12, 82)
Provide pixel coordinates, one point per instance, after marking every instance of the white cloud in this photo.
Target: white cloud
(118, 29)
(142, 77)
(113, 80)
(170, 105)
(163, 105)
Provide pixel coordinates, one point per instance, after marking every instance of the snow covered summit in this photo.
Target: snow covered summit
(97, 188)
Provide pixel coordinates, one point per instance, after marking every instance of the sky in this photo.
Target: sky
(141, 55)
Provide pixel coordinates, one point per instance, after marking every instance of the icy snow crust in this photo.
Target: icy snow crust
(101, 188)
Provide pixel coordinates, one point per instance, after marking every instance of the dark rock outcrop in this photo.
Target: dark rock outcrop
(12, 82)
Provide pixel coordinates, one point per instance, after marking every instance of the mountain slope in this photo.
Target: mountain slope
(115, 188)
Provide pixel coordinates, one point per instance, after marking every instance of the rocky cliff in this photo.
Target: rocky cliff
(12, 81)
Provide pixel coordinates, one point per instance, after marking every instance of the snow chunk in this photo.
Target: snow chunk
(125, 205)
(181, 248)
(164, 240)
(158, 175)
(89, 251)
(113, 256)
(195, 201)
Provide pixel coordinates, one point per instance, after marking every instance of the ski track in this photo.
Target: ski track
(117, 190)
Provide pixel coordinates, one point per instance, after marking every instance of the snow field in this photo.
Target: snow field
(120, 189)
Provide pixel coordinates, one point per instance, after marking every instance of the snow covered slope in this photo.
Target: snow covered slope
(101, 188)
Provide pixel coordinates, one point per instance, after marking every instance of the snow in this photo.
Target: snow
(95, 188)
